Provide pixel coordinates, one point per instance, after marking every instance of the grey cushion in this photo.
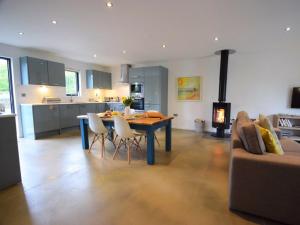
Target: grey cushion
(251, 137)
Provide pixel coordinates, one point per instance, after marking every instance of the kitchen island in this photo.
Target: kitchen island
(10, 173)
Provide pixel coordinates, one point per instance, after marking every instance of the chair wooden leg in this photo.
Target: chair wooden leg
(128, 152)
(94, 139)
(137, 143)
(156, 139)
(117, 149)
(103, 145)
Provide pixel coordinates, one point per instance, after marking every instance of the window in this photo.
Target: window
(72, 83)
(6, 89)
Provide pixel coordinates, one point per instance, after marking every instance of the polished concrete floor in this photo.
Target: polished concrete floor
(62, 184)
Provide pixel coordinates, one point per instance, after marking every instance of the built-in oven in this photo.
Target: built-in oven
(138, 104)
(137, 90)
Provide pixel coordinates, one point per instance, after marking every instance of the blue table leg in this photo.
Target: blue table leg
(84, 134)
(169, 136)
(150, 147)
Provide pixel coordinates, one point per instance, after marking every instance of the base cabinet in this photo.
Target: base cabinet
(42, 120)
(68, 115)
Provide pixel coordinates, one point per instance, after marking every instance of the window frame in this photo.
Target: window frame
(77, 83)
(10, 85)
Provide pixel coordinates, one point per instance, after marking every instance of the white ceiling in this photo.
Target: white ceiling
(187, 27)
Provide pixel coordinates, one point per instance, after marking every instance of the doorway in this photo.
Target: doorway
(6, 87)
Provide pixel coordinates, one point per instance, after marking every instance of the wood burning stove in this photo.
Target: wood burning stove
(221, 109)
(221, 117)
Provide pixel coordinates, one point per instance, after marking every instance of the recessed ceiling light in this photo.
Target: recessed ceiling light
(287, 29)
(216, 38)
(109, 4)
(164, 46)
(54, 22)
(95, 55)
(124, 51)
(21, 33)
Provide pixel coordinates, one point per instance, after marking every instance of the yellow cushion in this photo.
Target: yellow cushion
(270, 142)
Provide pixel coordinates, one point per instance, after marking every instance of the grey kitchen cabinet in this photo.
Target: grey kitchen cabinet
(56, 74)
(137, 75)
(98, 79)
(152, 86)
(34, 71)
(37, 119)
(42, 72)
(115, 106)
(10, 173)
(87, 108)
(68, 115)
(46, 118)
(155, 80)
(101, 107)
(155, 107)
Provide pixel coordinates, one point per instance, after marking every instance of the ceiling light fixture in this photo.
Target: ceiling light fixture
(216, 38)
(95, 55)
(21, 33)
(109, 4)
(164, 46)
(54, 22)
(287, 29)
(124, 51)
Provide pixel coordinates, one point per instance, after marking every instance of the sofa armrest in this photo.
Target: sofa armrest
(265, 185)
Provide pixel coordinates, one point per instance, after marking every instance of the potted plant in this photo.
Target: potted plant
(127, 101)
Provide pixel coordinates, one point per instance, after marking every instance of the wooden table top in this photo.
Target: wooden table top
(142, 121)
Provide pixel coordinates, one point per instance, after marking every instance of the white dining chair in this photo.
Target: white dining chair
(128, 136)
(100, 131)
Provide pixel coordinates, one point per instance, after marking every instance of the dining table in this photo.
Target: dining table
(150, 125)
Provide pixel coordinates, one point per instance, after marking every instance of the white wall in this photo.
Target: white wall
(257, 83)
(34, 93)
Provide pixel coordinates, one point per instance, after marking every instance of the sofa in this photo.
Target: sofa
(266, 185)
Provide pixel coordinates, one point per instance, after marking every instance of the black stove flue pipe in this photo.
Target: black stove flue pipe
(223, 72)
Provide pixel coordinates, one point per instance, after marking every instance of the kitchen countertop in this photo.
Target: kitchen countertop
(69, 103)
(5, 115)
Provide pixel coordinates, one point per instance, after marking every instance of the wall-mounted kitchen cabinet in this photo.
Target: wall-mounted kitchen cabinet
(98, 79)
(42, 72)
(56, 74)
(34, 71)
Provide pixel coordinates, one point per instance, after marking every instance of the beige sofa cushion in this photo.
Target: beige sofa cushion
(249, 134)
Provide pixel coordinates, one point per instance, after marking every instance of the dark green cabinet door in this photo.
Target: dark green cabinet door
(34, 71)
(68, 115)
(56, 73)
(46, 118)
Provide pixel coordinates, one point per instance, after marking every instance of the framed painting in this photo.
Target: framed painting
(188, 88)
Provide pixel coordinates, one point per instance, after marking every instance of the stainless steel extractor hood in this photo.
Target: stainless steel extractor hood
(124, 77)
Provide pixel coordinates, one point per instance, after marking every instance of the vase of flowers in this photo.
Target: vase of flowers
(127, 101)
